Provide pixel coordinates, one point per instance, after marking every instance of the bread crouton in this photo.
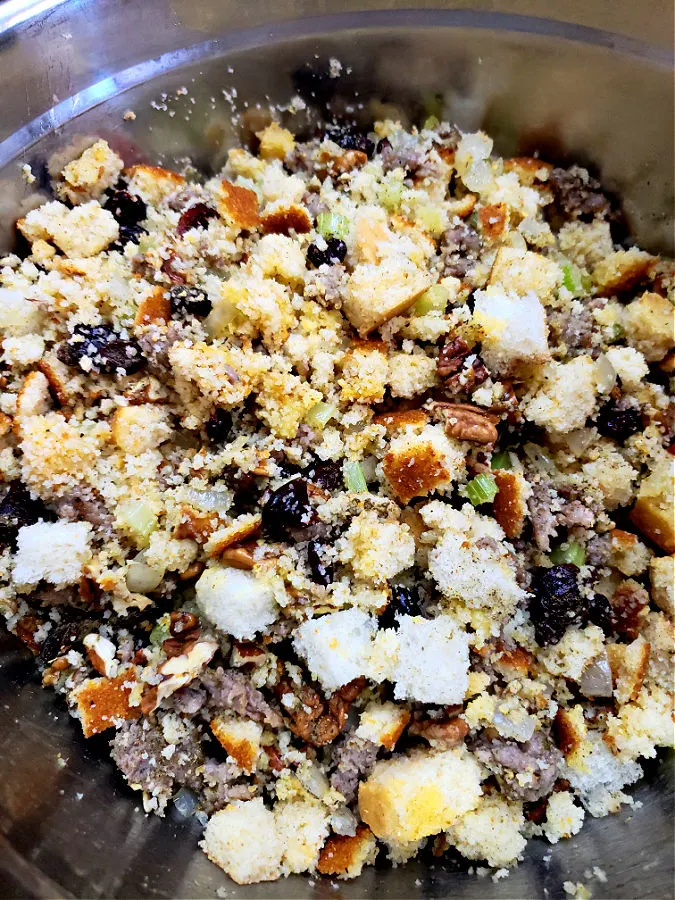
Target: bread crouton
(87, 177)
(654, 510)
(345, 855)
(243, 840)
(491, 831)
(364, 373)
(418, 463)
(629, 664)
(238, 206)
(510, 505)
(621, 271)
(103, 703)
(302, 826)
(383, 723)
(523, 272)
(235, 601)
(336, 646)
(241, 739)
(286, 218)
(376, 550)
(649, 323)
(411, 374)
(376, 293)
(283, 402)
(154, 308)
(629, 555)
(153, 183)
(83, 231)
(53, 552)
(136, 429)
(410, 797)
(432, 662)
(566, 397)
(275, 142)
(662, 576)
(513, 329)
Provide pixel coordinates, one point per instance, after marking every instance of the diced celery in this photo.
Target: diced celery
(390, 194)
(616, 333)
(430, 218)
(160, 632)
(434, 299)
(430, 123)
(569, 552)
(575, 282)
(501, 460)
(481, 489)
(332, 225)
(354, 478)
(320, 415)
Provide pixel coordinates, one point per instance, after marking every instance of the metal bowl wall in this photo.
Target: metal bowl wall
(68, 824)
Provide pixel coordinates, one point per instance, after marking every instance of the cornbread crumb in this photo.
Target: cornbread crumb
(83, 231)
(491, 831)
(566, 397)
(376, 550)
(87, 177)
(563, 817)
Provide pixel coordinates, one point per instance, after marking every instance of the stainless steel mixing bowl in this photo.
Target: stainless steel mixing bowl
(68, 824)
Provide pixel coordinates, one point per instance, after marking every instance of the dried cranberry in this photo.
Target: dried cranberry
(321, 572)
(327, 475)
(106, 349)
(128, 209)
(557, 603)
(600, 613)
(196, 216)
(405, 601)
(18, 509)
(618, 422)
(335, 252)
(287, 509)
(350, 138)
(219, 427)
(190, 301)
(129, 234)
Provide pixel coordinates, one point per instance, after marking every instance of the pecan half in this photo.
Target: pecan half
(451, 357)
(318, 721)
(465, 422)
(449, 731)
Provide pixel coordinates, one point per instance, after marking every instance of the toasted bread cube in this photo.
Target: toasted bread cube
(241, 739)
(629, 664)
(285, 218)
(513, 329)
(136, 429)
(302, 826)
(275, 142)
(493, 219)
(53, 552)
(153, 183)
(662, 575)
(629, 555)
(410, 797)
(419, 463)
(510, 505)
(522, 272)
(383, 723)
(563, 817)
(376, 293)
(345, 855)
(154, 308)
(654, 510)
(83, 231)
(103, 703)
(86, 178)
(243, 840)
(377, 550)
(621, 270)
(400, 420)
(571, 733)
(364, 373)
(650, 325)
(491, 831)
(242, 529)
(238, 205)
(236, 601)
(432, 661)
(57, 454)
(281, 257)
(223, 376)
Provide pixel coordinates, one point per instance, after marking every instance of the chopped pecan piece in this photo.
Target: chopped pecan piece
(465, 422)
(319, 721)
(448, 731)
(451, 358)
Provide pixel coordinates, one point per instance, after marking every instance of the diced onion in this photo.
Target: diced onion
(320, 415)
(311, 777)
(539, 459)
(605, 374)
(210, 501)
(142, 578)
(343, 821)
(434, 299)
(596, 679)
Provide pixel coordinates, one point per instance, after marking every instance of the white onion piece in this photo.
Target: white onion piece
(580, 440)
(311, 777)
(209, 501)
(343, 821)
(596, 679)
(478, 176)
(141, 577)
(605, 374)
(541, 461)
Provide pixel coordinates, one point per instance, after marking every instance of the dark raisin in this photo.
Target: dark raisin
(63, 635)
(286, 509)
(128, 209)
(105, 348)
(18, 509)
(129, 234)
(322, 573)
(219, 427)
(618, 423)
(600, 613)
(405, 601)
(350, 138)
(335, 252)
(327, 475)
(383, 144)
(190, 301)
(196, 216)
(557, 603)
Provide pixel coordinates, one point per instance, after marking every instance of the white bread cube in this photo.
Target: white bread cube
(241, 739)
(235, 601)
(642, 726)
(18, 314)
(662, 576)
(432, 664)
(275, 142)
(302, 826)
(566, 397)
(364, 373)
(410, 797)
(87, 177)
(83, 231)
(522, 272)
(629, 364)
(382, 723)
(599, 775)
(563, 817)
(650, 325)
(376, 293)
(420, 462)
(491, 831)
(513, 328)
(377, 550)
(243, 840)
(136, 429)
(53, 552)
(336, 646)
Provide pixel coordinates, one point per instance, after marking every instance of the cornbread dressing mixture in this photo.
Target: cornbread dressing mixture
(338, 491)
